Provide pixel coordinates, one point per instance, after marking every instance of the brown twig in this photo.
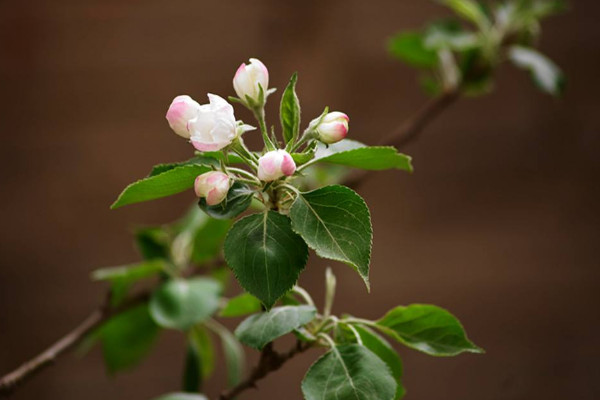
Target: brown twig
(409, 130)
(270, 360)
(30, 368)
(27, 370)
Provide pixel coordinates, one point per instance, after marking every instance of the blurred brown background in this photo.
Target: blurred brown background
(499, 222)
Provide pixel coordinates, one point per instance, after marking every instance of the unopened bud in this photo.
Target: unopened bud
(332, 128)
(247, 79)
(275, 164)
(213, 186)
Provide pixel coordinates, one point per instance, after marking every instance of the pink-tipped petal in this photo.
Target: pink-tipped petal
(288, 166)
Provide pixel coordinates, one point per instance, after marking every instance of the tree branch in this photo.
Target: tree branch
(27, 370)
(270, 361)
(409, 130)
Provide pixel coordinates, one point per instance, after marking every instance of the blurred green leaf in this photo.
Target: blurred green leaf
(470, 10)
(349, 372)
(290, 111)
(547, 76)
(410, 48)
(192, 374)
(265, 255)
(168, 183)
(241, 305)
(237, 201)
(335, 222)
(430, 85)
(127, 338)
(427, 328)
(123, 277)
(129, 273)
(545, 8)
(234, 353)
(208, 240)
(260, 329)
(182, 396)
(199, 361)
(180, 304)
(448, 34)
(153, 242)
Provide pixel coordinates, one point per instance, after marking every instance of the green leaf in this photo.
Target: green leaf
(180, 304)
(199, 361)
(197, 160)
(356, 155)
(290, 111)
(192, 374)
(335, 222)
(153, 242)
(410, 48)
(168, 183)
(544, 72)
(230, 158)
(130, 273)
(241, 305)
(182, 396)
(260, 329)
(302, 158)
(448, 34)
(382, 349)
(469, 10)
(237, 201)
(208, 240)
(265, 255)
(427, 328)
(122, 278)
(234, 353)
(127, 338)
(349, 372)
(546, 8)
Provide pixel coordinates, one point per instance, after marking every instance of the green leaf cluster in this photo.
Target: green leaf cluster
(454, 56)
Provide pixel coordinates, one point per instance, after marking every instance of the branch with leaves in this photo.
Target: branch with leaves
(290, 200)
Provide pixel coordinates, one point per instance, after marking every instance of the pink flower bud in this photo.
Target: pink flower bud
(214, 126)
(275, 164)
(248, 77)
(333, 127)
(213, 186)
(181, 110)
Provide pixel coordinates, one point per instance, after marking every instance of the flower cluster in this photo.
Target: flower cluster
(213, 127)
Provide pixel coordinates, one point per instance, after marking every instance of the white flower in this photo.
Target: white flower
(213, 186)
(182, 109)
(332, 128)
(275, 164)
(214, 126)
(248, 77)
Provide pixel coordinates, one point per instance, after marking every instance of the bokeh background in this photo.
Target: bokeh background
(499, 223)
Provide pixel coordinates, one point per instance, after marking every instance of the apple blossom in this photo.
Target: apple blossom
(214, 126)
(213, 186)
(275, 164)
(333, 127)
(247, 80)
(182, 109)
